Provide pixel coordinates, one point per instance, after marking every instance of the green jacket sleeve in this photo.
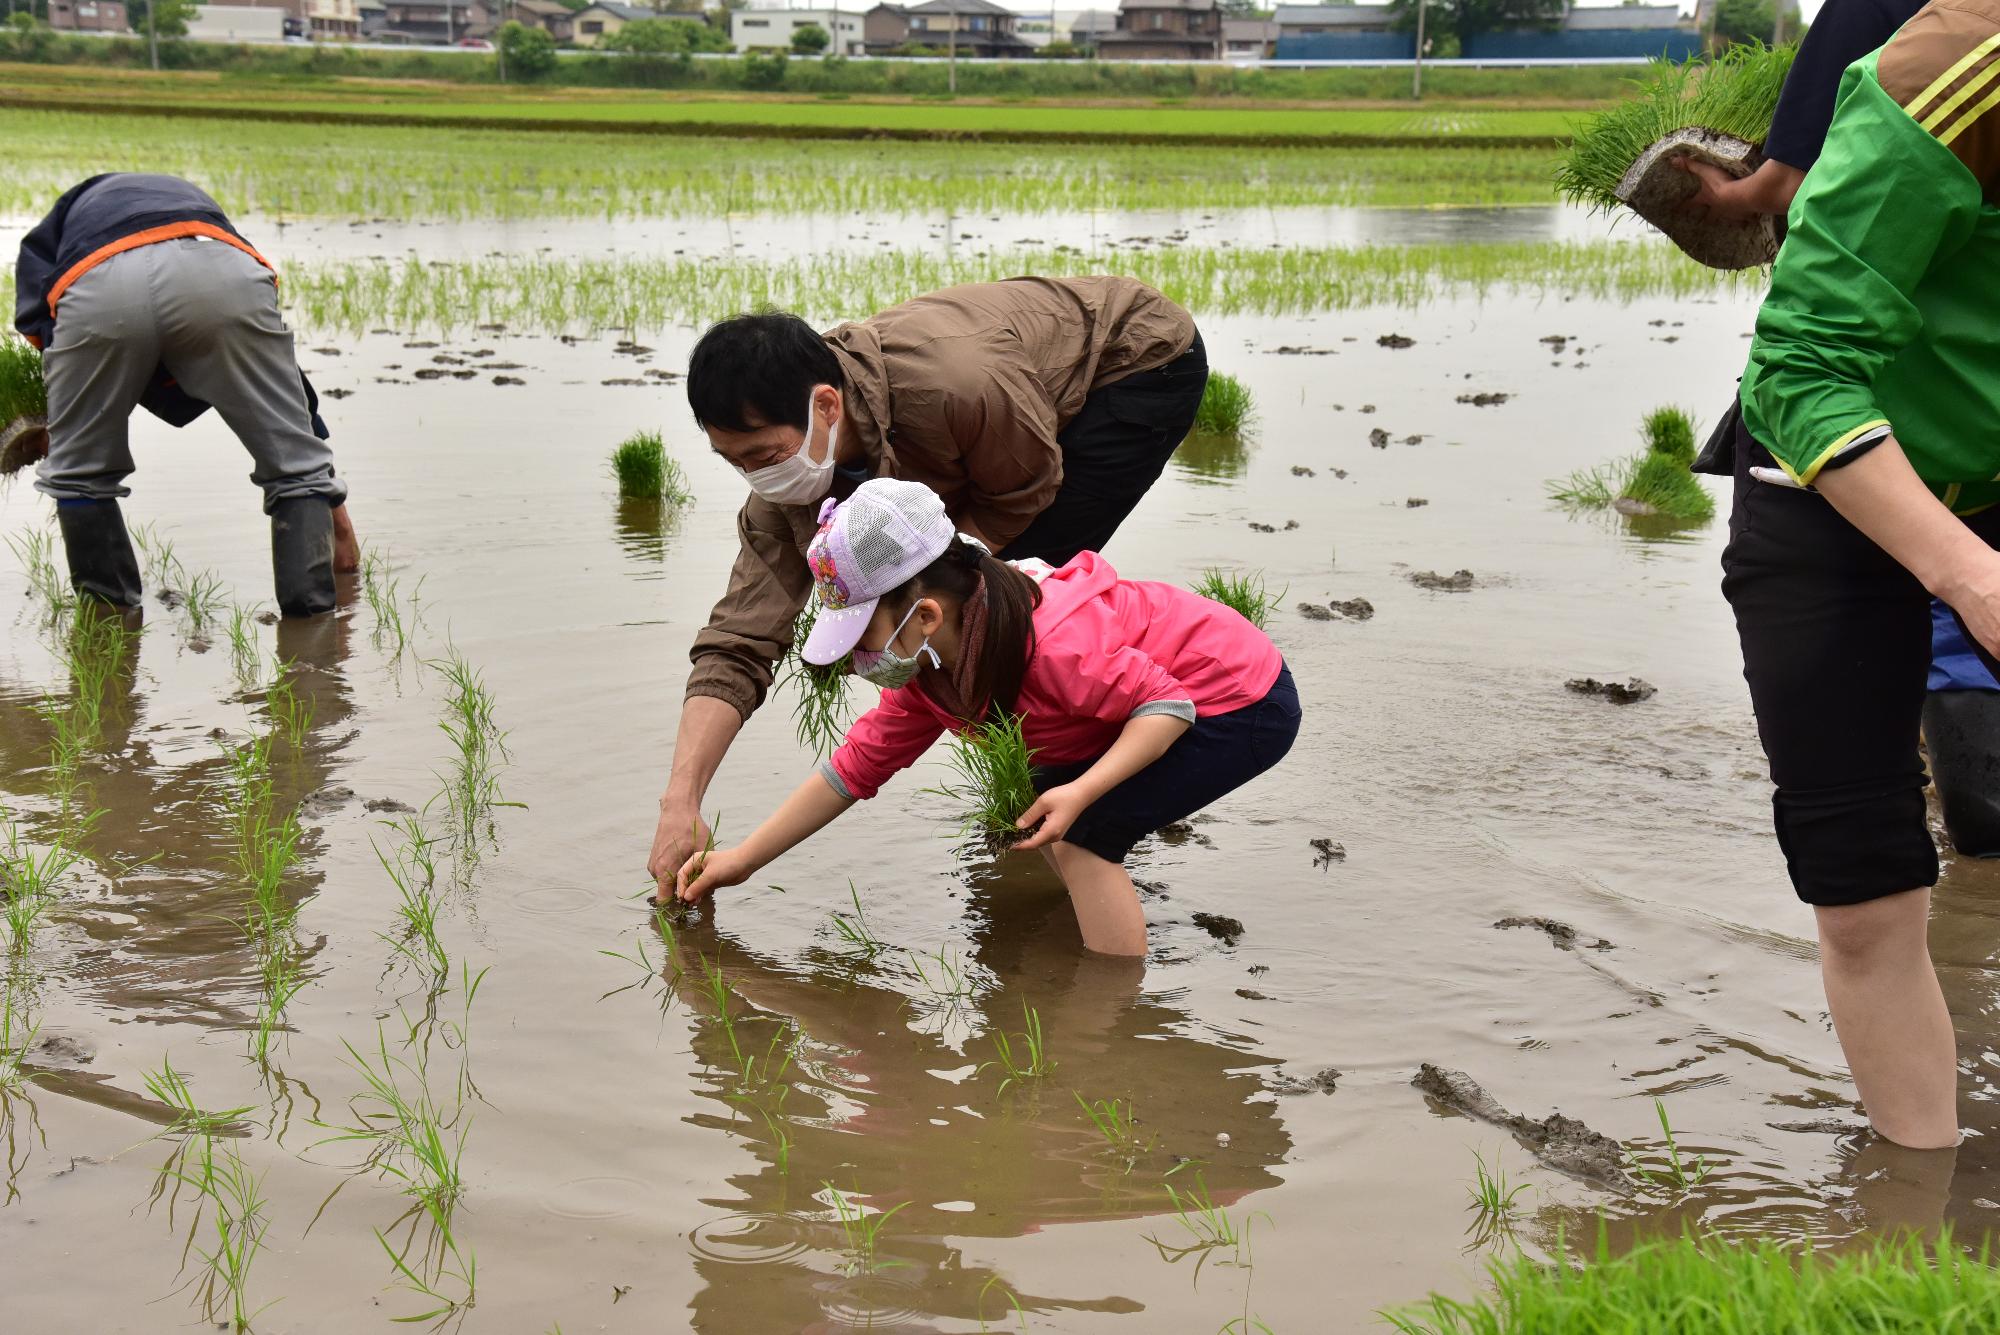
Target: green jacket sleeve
(1885, 205)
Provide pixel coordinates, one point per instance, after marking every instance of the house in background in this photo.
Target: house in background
(1164, 30)
(438, 22)
(247, 24)
(1340, 32)
(977, 28)
(590, 26)
(325, 20)
(1089, 27)
(758, 29)
(87, 15)
(551, 16)
(1248, 39)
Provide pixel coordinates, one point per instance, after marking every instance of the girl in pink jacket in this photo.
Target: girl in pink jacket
(1142, 703)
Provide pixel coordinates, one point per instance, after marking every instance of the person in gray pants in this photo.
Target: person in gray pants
(140, 292)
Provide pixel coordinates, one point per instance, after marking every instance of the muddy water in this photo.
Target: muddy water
(620, 1176)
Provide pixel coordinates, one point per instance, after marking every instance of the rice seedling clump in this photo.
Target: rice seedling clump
(1733, 95)
(1226, 408)
(646, 472)
(24, 405)
(996, 777)
(1656, 481)
(1247, 593)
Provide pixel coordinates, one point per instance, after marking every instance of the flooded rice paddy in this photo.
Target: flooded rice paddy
(752, 1123)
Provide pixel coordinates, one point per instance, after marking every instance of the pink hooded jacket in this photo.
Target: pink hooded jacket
(1107, 650)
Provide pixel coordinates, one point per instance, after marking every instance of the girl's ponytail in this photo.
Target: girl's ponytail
(1008, 640)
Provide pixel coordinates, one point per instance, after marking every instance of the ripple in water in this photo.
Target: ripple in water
(870, 1301)
(598, 1198)
(749, 1239)
(551, 901)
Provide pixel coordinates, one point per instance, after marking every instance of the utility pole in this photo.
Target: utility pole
(952, 52)
(153, 32)
(1417, 72)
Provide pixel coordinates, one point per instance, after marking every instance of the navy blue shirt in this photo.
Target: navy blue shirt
(1845, 31)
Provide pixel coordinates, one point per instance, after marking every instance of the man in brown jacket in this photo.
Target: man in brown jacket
(1040, 409)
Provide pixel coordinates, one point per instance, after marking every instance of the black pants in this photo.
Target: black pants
(1218, 755)
(1836, 649)
(1113, 451)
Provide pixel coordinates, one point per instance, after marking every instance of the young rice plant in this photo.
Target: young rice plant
(645, 471)
(1226, 408)
(1246, 592)
(996, 777)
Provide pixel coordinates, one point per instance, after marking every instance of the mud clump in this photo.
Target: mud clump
(1354, 609)
(1378, 438)
(1629, 692)
(1290, 351)
(1314, 612)
(508, 380)
(1458, 581)
(325, 802)
(1395, 341)
(1484, 399)
(1226, 930)
(1323, 1082)
(1251, 994)
(1416, 503)
(1326, 852)
(1560, 1142)
(379, 805)
(1256, 527)
(1300, 470)
(1561, 935)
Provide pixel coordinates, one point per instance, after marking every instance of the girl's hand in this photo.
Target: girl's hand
(704, 872)
(1057, 810)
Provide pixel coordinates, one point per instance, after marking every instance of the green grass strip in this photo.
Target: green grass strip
(1719, 1287)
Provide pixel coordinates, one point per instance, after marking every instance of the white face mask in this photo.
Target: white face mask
(798, 479)
(888, 669)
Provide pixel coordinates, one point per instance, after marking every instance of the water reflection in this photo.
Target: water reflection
(1212, 460)
(644, 526)
(848, 1073)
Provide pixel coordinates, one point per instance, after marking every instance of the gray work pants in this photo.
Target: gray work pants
(209, 314)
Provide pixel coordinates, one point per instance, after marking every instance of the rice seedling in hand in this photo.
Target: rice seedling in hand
(1245, 592)
(24, 405)
(996, 778)
(824, 707)
(1735, 94)
(1666, 1170)
(645, 471)
(1906, 1282)
(1027, 1060)
(1226, 407)
(861, 1228)
(1493, 1198)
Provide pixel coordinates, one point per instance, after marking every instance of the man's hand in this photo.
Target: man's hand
(1740, 199)
(704, 872)
(346, 546)
(1057, 810)
(680, 835)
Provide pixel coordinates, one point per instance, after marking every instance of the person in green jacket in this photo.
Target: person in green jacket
(1866, 463)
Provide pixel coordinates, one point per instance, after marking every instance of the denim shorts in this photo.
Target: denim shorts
(1217, 755)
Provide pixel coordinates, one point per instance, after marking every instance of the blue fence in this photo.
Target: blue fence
(1590, 44)
(1347, 46)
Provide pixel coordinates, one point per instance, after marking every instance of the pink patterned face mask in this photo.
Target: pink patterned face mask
(888, 669)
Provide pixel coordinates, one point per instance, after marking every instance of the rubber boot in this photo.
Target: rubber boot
(101, 562)
(302, 555)
(1962, 729)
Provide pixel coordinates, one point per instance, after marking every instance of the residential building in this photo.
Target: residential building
(971, 27)
(438, 22)
(87, 15)
(756, 29)
(1164, 30)
(239, 23)
(1089, 27)
(323, 20)
(551, 16)
(602, 20)
(1248, 39)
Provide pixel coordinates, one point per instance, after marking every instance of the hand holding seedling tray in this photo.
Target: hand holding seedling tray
(24, 406)
(1719, 113)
